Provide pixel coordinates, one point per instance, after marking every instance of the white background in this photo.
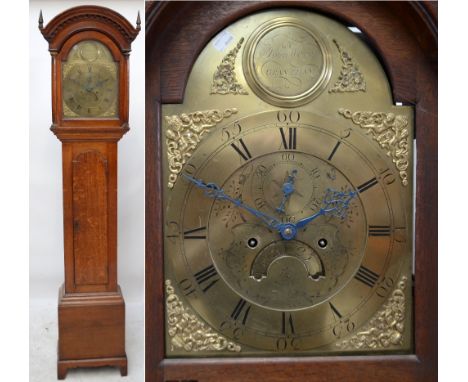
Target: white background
(46, 272)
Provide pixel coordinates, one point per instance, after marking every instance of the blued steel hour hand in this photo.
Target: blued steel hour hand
(288, 189)
(335, 203)
(212, 190)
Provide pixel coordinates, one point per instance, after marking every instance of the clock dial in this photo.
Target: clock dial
(89, 82)
(226, 229)
(287, 210)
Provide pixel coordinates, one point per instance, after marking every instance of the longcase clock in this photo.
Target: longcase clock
(90, 49)
(284, 151)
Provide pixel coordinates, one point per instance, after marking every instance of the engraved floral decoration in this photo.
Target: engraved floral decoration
(224, 79)
(386, 328)
(184, 133)
(390, 131)
(188, 332)
(350, 78)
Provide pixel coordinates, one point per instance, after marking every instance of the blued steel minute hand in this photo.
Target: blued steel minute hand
(212, 190)
(335, 203)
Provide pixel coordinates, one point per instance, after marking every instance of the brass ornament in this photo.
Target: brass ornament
(390, 131)
(188, 332)
(224, 79)
(286, 62)
(386, 328)
(184, 133)
(350, 78)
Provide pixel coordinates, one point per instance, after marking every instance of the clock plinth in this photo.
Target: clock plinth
(90, 48)
(91, 325)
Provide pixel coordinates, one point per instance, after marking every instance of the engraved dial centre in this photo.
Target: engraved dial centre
(298, 267)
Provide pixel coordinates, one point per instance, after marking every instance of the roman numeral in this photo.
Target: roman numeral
(243, 151)
(366, 276)
(190, 233)
(365, 186)
(259, 203)
(334, 150)
(379, 230)
(337, 313)
(290, 142)
(285, 322)
(207, 274)
(238, 310)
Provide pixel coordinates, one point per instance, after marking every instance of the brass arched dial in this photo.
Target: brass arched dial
(89, 82)
(288, 210)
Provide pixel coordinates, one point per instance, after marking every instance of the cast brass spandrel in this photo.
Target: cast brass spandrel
(224, 78)
(184, 132)
(386, 328)
(187, 331)
(350, 79)
(390, 130)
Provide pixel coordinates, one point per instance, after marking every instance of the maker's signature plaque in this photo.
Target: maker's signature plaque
(286, 63)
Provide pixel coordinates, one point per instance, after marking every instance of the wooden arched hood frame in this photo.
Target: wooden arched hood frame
(404, 36)
(89, 23)
(89, 18)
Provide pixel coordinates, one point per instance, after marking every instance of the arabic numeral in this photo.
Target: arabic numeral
(190, 169)
(186, 286)
(288, 219)
(230, 326)
(343, 327)
(259, 203)
(285, 343)
(384, 287)
(261, 170)
(387, 177)
(281, 344)
(292, 116)
(287, 156)
(231, 131)
(172, 231)
(345, 133)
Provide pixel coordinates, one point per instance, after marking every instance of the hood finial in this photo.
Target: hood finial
(138, 22)
(41, 20)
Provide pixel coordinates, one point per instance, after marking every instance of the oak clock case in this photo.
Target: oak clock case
(90, 48)
(288, 193)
